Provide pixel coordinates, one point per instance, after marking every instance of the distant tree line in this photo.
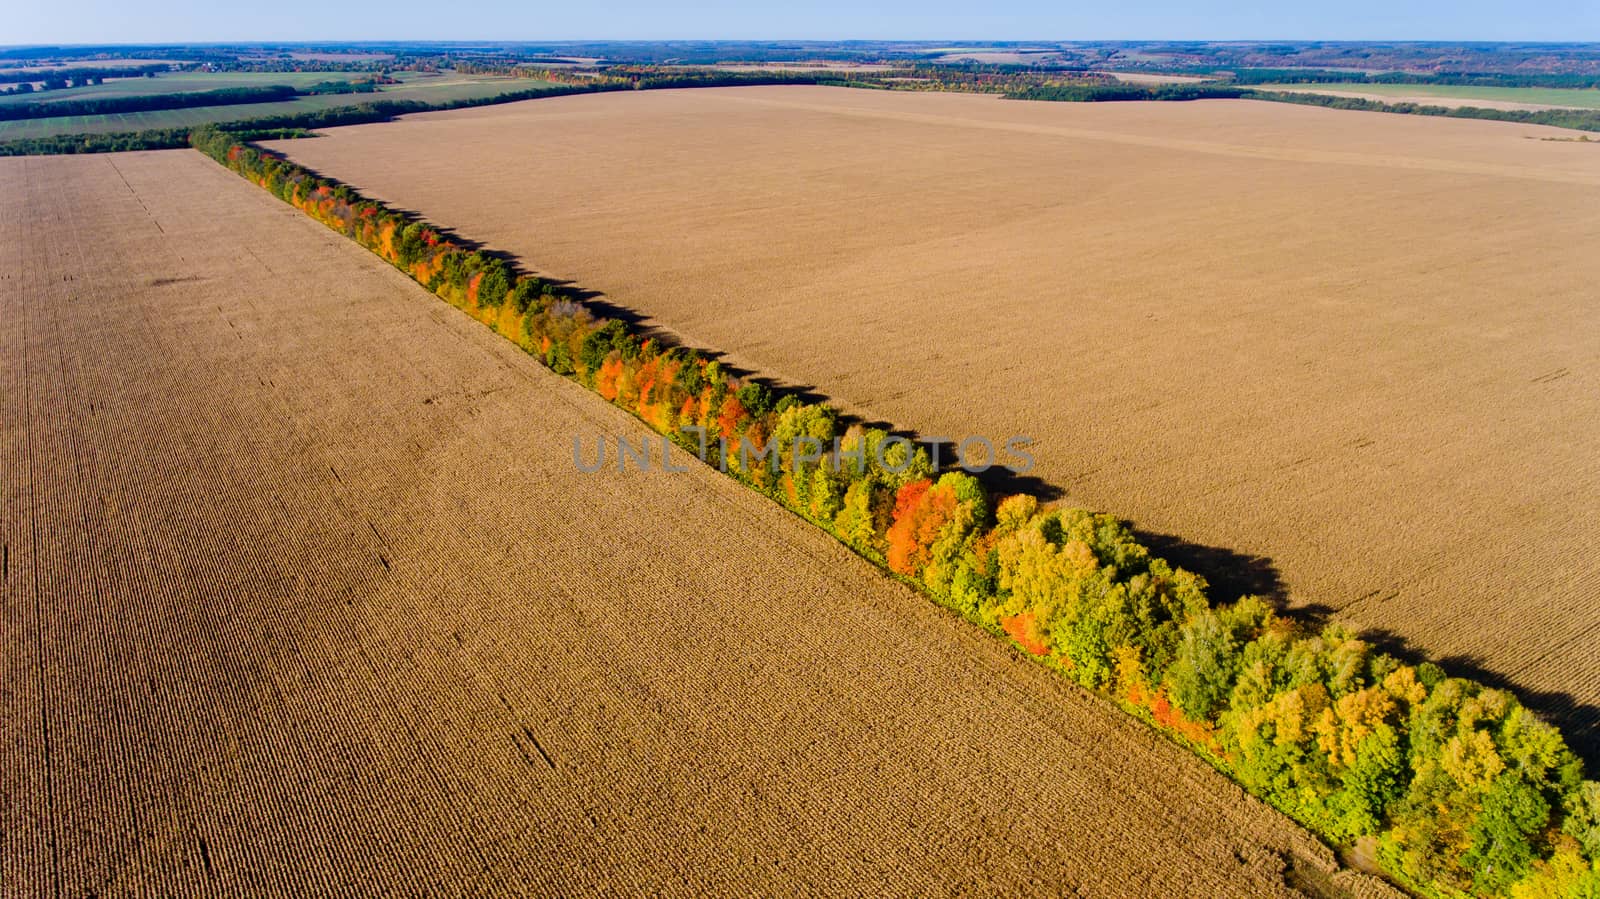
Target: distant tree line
(226, 96)
(640, 77)
(913, 76)
(364, 86)
(1095, 93)
(289, 64)
(81, 75)
(112, 142)
(1580, 119)
(1470, 79)
(1462, 788)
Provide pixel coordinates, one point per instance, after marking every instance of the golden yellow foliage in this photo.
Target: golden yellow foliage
(1472, 760)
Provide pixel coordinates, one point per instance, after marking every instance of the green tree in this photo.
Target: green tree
(495, 285)
(1503, 835)
(855, 524)
(1369, 784)
(601, 342)
(691, 378)
(1583, 817)
(1208, 658)
(756, 398)
(410, 245)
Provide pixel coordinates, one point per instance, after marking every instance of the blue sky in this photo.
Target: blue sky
(90, 21)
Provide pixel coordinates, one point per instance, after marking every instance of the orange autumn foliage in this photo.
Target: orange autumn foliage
(1169, 716)
(730, 416)
(654, 382)
(386, 242)
(1024, 628)
(921, 510)
(606, 381)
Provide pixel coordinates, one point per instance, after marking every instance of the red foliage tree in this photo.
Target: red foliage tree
(731, 416)
(1024, 628)
(911, 509)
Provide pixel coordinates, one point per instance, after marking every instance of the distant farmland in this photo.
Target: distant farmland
(414, 86)
(1338, 356)
(186, 82)
(1455, 94)
(303, 594)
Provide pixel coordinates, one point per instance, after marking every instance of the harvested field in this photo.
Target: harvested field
(990, 56)
(1153, 78)
(304, 595)
(1343, 357)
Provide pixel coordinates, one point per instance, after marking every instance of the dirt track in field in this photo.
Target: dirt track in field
(1347, 357)
(303, 595)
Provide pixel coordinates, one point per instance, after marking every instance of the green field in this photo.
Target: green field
(425, 87)
(1542, 96)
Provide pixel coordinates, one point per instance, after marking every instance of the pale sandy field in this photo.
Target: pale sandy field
(1154, 78)
(303, 595)
(1396, 93)
(1347, 357)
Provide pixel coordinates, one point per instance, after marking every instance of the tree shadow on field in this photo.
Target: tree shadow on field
(1232, 574)
(1579, 722)
(1228, 573)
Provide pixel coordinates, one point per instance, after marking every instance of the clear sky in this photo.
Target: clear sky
(131, 21)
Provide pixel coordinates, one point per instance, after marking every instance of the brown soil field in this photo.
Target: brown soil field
(303, 595)
(1346, 358)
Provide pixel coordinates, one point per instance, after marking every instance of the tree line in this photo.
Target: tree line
(1462, 788)
(225, 96)
(640, 77)
(110, 142)
(1578, 119)
(1471, 79)
(1097, 93)
(362, 86)
(79, 75)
